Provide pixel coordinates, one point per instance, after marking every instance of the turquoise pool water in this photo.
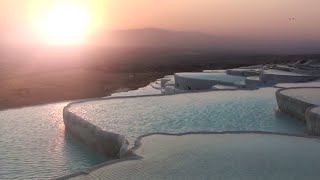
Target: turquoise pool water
(240, 110)
(214, 76)
(34, 145)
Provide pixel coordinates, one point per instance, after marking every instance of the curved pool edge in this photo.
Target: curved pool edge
(313, 120)
(293, 106)
(300, 109)
(197, 83)
(108, 143)
(91, 134)
(128, 154)
(132, 156)
(275, 78)
(86, 131)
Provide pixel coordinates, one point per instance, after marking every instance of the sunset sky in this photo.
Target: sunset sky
(234, 18)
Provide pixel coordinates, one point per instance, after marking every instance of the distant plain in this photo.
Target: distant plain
(36, 78)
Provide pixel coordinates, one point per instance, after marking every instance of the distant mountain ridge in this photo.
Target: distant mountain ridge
(155, 37)
(162, 38)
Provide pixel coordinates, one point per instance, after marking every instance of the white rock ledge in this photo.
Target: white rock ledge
(184, 81)
(244, 72)
(302, 103)
(277, 76)
(214, 155)
(110, 144)
(313, 120)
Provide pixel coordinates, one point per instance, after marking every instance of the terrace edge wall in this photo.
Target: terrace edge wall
(313, 120)
(292, 106)
(251, 82)
(187, 83)
(243, 72)
(279, 78)
(110, 144)
(305, 111)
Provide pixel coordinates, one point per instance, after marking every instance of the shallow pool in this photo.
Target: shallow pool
(218, 156)
(34, 145)
(148, 90)
(214, 76)
(240, 110)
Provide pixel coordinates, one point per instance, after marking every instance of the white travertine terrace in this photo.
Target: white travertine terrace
(108, 143)
(205, 81)
(315, 83)
(253, 81)
(277, 76)
(310, 95)
(215, 156)
(239, 78)
(151, 89)
(244, 72)
(313, 120)
(302, 103)
(221, 110)
(209, 80)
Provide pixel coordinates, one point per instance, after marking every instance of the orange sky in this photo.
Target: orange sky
(245, 18)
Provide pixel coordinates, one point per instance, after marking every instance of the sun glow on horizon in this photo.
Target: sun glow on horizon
(66, 24)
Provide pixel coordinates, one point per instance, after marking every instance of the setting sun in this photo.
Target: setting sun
(66, 24)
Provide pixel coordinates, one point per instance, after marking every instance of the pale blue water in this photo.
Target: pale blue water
(33, 144)
(227, 156)
(239, 110)
(214, 76)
